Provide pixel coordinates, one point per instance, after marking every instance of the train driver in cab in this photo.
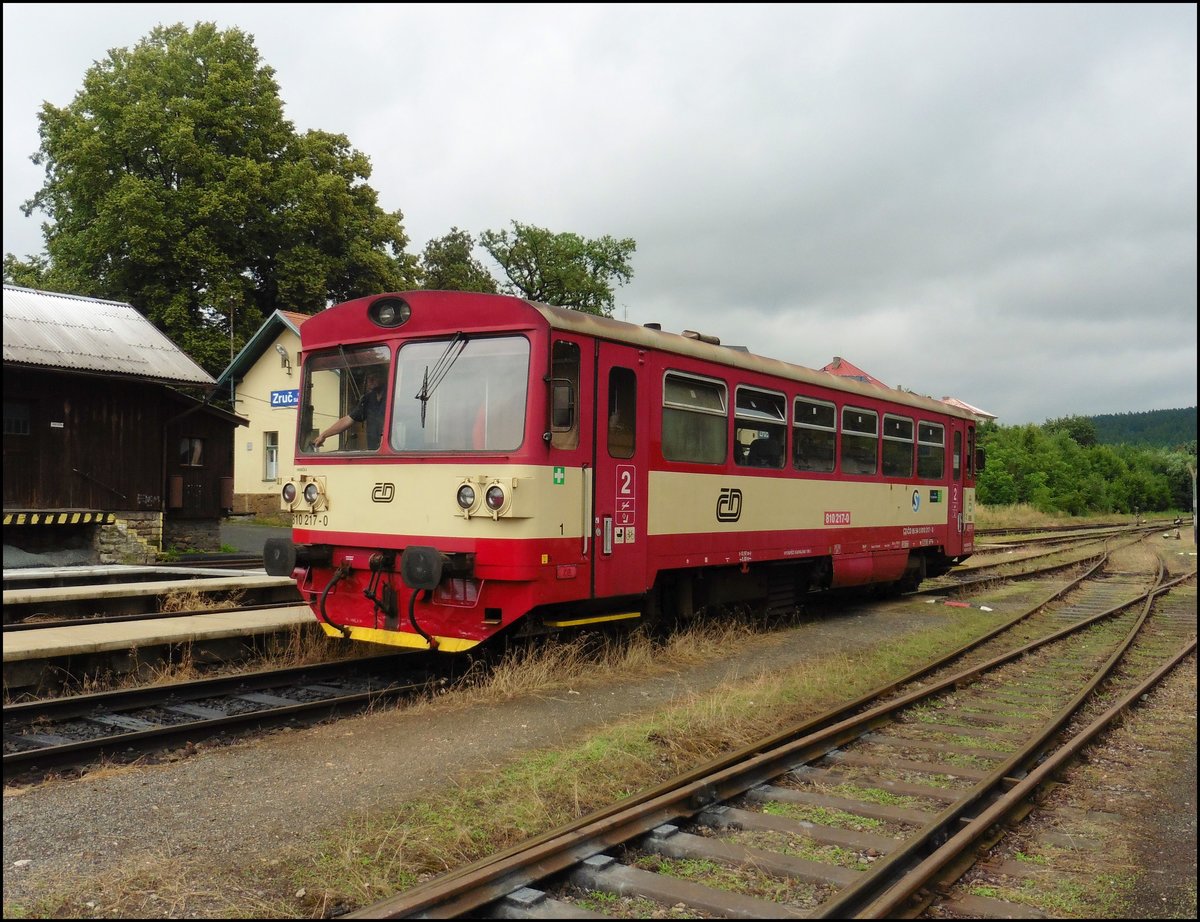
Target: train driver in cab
(369, 410)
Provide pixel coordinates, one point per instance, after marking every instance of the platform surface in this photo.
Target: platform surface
(215, 580)
(50, 642)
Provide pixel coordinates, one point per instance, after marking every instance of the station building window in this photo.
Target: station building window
(270, 456)
(191, 452)
(16, 417)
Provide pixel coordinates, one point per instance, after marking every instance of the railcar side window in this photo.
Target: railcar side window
(814, 436)
(860, 441)
(564, 394)
(695, 423)
(957, 456)
(759, 428)
(897, 446)
(622, 412)
(931, 450)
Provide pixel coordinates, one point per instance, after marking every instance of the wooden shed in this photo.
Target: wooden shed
(108, 440)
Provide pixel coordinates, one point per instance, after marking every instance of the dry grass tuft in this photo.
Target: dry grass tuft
(195, 600)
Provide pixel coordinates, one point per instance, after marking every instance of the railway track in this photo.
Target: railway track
(1079, 551)
(1050, 531)
(55, 732)
(865, 811)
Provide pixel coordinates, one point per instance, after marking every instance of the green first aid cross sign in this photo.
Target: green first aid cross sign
(560, 476)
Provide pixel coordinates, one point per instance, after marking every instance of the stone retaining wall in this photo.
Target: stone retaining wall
(135, 537)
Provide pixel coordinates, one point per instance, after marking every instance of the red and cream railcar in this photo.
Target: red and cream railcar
(540, 468)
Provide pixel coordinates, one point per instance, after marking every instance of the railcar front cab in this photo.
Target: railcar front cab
(450, 397)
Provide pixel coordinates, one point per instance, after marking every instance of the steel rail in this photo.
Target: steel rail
(468, 889)
(889, 905)
(23, 715)
(893, 869)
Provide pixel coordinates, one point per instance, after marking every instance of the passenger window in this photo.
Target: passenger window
(860, 441)
(695, 424)
(759, 428)
(897, 446)
(814, 436)
(931, 451)
(957, 455)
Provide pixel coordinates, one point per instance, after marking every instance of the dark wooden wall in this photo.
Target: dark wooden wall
(97, 442)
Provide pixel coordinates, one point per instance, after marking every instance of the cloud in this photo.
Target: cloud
(991, 202)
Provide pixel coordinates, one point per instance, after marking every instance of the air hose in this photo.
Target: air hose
(338, 574)
(412, 617)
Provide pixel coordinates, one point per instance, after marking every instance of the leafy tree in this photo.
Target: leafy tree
(1162, 428)
(1047, 468)
(561, 269)
(1080, 428)
(174, 182)
(32, 274)
(448, 265)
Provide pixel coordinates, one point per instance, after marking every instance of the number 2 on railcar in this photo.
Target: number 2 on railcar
(535, 468)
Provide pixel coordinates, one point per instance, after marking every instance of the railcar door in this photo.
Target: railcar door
(954, 534)
(622, 448)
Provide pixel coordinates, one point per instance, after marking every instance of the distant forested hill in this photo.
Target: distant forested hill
(1155, 428)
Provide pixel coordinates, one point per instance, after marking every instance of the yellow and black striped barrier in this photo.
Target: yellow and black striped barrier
(69, 517)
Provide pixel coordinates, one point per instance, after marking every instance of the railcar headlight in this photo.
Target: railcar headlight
(495, 497)
(466, 496)
(311, 493)
(288, 493)
(390, 312)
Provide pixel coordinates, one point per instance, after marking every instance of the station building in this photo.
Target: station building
(111, 446)
(262, 384)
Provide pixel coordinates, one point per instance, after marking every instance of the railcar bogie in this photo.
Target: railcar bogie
(540, 469)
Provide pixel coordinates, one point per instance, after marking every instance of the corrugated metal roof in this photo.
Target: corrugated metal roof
(73, 333)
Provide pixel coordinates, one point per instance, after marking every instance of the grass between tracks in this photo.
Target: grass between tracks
(378, 854)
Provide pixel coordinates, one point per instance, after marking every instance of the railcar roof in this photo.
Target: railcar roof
(511, 313)
(645, 337)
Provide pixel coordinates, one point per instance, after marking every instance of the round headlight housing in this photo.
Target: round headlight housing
(466, 496)
(311, 493)
(390, 312)
(289, 493)
(494, 497)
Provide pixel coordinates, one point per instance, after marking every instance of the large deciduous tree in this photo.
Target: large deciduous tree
(174, 182)
(561, 269)
(448, 265)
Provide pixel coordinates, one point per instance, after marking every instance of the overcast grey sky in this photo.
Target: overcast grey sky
(996, 203)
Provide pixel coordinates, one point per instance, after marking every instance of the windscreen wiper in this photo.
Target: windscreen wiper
(432, 379)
